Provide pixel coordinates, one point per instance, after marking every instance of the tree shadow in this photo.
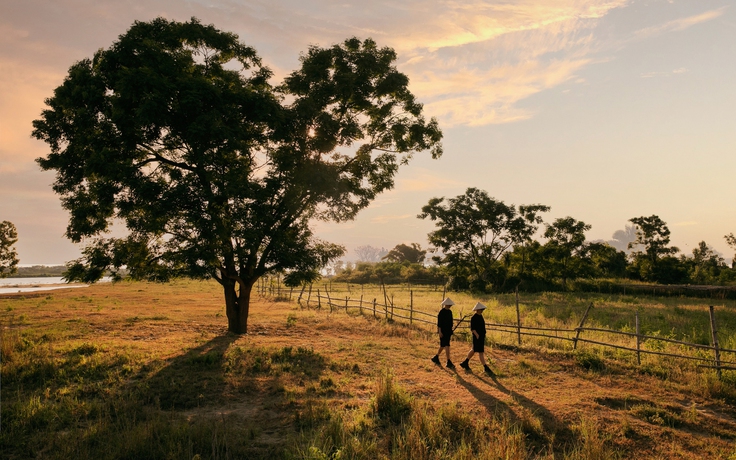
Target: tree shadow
(215, 373)
(192, 379)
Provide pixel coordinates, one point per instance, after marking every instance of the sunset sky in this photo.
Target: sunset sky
(602, 109)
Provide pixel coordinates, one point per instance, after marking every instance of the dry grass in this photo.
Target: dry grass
(139, 370)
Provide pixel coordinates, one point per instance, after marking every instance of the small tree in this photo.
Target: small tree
(475, 230)
(369, 253)
(401, 252)
(566, 241)
(731, 241)
(706, 264)
(176, 131)
(8, 255)
(653, 235)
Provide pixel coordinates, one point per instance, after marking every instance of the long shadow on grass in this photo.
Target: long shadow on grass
(549, 428)
(193, 379)
(491, 403)
(212, 372)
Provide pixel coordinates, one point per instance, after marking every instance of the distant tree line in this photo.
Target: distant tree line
(483, 244)
(487, 245)
(40, 271)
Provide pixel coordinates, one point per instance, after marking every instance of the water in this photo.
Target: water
(25, 281)
(13, 285)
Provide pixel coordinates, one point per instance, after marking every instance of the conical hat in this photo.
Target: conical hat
(447, 302)
(479, 306)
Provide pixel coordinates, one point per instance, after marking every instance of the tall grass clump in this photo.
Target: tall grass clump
(392, 404)
(592, 444)
(398, 426)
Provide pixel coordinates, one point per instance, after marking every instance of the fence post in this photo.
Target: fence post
(638, 340)
(374, 307)
(361, 304)
(309, 296)
(346, 304)
(319, 300)
(411, 307)
(518, 317)
(329, 300)
(580, 327)
(714, 333)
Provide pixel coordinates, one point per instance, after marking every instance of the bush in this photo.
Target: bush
(589, 360)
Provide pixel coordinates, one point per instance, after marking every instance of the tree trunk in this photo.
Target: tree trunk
(237, 306)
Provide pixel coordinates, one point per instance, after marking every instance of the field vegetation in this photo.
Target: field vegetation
(139, 370)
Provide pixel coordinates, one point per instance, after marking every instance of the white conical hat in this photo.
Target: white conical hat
(447, 301)
(479, 306)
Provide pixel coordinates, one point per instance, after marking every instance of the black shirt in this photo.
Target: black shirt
(478, 324)
(444, 321)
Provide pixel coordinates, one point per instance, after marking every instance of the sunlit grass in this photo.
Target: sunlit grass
(139, 370)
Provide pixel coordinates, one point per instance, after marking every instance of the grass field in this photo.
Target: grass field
(680, 318)
(138, 370)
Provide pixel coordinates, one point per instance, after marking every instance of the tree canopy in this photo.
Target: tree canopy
(176, 131)
(474, 230)
(653, 234)
(368, 253)
(405, 253)
(8, 255)
(566, 239)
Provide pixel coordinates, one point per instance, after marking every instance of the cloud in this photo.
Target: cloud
(388, 218)
(473, 62)
(679, 24)
(681, 70)
(477, 97)
(423, 180)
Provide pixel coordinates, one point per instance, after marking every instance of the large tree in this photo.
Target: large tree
(8, 254)
(176, 131)
(474, 230)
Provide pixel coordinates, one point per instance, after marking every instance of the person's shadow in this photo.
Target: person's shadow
(552, 429)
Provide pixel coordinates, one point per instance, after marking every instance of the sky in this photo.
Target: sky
(603, 110)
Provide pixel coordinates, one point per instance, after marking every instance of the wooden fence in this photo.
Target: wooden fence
(390, 311)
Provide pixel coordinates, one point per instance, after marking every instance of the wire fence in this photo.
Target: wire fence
(390, 311)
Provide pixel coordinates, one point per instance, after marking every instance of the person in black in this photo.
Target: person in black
(444, 329)
(478, 328)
